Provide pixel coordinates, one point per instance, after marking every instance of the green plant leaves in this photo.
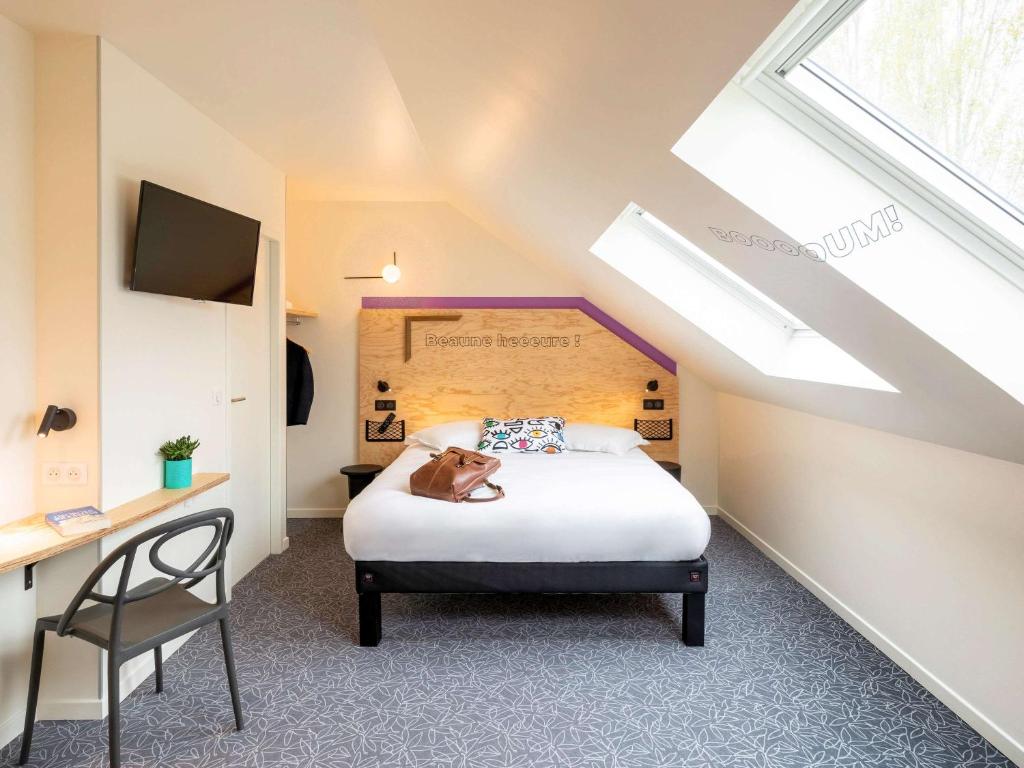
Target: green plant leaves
(180, 449)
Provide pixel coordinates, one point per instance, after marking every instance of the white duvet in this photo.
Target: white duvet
(569, 507)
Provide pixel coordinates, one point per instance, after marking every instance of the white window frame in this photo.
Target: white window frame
(721, 276)
(716, 300)
(765, 81)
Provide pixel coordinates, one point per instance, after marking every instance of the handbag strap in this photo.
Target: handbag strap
(499, 493)
(464, 457)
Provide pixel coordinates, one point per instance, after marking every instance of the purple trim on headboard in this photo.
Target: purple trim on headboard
(525, 302)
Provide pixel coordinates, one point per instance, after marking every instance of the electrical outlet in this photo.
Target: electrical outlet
(51, 473)
(65, 473)
(383, 405)
(75, 473)
(654, 404)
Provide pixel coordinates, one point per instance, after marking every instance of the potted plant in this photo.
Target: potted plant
(178, 461)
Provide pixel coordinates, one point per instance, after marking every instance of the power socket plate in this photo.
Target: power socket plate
(75, 473)
(51, 473)
(65, 473)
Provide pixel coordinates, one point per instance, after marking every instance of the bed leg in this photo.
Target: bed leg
(369, 619)
(693, 618)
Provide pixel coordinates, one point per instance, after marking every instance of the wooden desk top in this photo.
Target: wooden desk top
(31, 539)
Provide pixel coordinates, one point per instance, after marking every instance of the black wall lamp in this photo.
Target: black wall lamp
(383, 386)
(389, 274)
(56, 418)
(652, 386)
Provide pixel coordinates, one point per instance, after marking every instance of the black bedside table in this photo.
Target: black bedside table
(359, 476)
(673, 468)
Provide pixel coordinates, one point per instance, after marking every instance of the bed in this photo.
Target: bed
(576, 522)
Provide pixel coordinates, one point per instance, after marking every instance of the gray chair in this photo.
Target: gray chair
(134, 621)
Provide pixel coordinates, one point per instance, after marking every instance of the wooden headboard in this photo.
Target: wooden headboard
(507, 363)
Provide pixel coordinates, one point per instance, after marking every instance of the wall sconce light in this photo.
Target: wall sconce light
(56, 418)
(389, 274)
(383, 386)
(652, 386)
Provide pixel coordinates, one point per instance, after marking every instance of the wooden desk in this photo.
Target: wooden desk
(31, 539)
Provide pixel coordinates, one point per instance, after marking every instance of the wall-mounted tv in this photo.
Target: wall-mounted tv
(185, 247)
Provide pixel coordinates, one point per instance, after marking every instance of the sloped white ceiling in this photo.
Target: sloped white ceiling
(302, 82)
(541, 119)
(546, 119)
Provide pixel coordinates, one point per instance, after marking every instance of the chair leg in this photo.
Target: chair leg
(33, 693)
(693, 618)
(158, 660)
(229, 663)
(114, 708)
(369, 619)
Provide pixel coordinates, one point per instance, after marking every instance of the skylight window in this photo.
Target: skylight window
(717, 272)
(718, 301)
(936, 88)
(829, 128)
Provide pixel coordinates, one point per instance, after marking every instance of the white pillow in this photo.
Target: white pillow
(458, 434)
(600, 437)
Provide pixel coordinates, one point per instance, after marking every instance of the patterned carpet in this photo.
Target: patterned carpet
(509, 682)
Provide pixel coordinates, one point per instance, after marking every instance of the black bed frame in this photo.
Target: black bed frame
(689, 577)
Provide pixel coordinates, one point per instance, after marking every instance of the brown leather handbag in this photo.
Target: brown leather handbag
(455, 473)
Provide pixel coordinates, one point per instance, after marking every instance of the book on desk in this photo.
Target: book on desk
(73, 522)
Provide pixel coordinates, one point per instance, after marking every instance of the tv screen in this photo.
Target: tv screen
(185, 247)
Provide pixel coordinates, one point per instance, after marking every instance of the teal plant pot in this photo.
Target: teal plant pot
(178, 474)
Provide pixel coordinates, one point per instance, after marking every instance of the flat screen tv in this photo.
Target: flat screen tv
(185, 247)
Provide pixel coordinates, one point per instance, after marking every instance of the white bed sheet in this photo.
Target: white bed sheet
(569, 507)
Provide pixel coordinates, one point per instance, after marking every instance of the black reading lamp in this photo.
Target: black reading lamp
(383, 386)
(652, 386)
(56, 418)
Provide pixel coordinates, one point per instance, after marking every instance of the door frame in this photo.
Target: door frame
(278, 398)
(277, 394)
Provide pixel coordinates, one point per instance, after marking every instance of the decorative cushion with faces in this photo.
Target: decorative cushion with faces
(543, 435)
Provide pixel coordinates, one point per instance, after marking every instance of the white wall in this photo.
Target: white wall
(917, 545)
(17, 341)
(698, 438)
(67, 245)
(441, 252)
(164, 359)
(17, 295)
(67, 353)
